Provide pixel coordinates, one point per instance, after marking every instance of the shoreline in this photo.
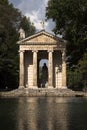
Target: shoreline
(42, 92)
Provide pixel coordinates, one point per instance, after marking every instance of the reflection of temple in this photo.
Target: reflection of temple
(32, 50)
(42, 114)
(27, 114)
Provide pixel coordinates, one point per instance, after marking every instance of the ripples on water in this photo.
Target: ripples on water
(33, 113)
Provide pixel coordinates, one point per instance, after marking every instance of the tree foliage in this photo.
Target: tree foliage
(83, 68)
(10, 21)
(70, 17)
(77, 75)
(27, 26)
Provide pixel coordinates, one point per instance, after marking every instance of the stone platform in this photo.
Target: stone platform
(42, 92)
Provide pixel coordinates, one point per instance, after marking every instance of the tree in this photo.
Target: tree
(83, 69)
(10, 22)
(27, 26)
(70, 17)
(9, 18)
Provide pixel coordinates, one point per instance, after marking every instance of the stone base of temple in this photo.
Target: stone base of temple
(34, 87)
(31, 87)
(50, 87)
(43, 88)
(21, 87)
(63, 87)
(42, 92)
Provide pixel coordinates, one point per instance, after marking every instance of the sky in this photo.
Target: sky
(35, 9)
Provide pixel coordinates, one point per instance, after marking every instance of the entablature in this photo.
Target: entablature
(46, 47)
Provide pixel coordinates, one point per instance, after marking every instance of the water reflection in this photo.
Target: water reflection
(27, 114)
(33, 113)
(41, 113)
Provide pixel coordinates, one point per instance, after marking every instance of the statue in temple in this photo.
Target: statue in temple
(44, 75)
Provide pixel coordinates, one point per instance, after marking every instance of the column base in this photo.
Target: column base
(64, 87)
(33, 87)
(21, 87)
(50, 87)
(61, 87)
(26, 90)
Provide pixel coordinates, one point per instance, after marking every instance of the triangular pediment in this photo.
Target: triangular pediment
(40, 37)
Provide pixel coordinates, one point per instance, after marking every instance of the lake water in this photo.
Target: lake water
(45, 113)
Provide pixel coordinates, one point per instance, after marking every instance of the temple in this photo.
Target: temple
(32, 50)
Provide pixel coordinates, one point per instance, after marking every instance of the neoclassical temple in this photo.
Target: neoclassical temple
(32, 50)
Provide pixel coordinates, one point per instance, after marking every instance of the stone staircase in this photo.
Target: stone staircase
(42, 92)
(48, 92)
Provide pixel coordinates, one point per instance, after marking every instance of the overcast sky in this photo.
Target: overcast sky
(35, 9)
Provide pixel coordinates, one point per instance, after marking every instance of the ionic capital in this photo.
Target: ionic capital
(50, 51)
(35, 51)
(21, 51)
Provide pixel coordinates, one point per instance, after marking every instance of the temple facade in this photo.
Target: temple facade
(32, 50)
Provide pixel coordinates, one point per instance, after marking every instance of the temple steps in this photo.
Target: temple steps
(42, 92)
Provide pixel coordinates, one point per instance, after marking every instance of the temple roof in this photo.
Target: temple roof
(41, 37)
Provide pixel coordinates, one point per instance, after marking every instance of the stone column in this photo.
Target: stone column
(50, 69)
(63, 69)
(21, 78)
(35, 69)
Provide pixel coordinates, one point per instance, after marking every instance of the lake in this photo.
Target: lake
(44, 113)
